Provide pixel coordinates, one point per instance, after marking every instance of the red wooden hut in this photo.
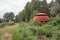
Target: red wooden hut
(41, 17)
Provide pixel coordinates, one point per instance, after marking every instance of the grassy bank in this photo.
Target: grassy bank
(34, 30)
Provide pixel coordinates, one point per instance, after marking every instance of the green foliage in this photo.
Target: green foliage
(57, 19)
(2, 20)
(1, 35)
(17, 18)
(55, 8)
(2, 25)
(6, 24)
(32, 8)
(9, 16)
(11, 23)
(32, 31)
(25, 34)
(52, 9)
(34, 13)
(38, 23)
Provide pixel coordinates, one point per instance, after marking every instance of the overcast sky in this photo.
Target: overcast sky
(12, 6)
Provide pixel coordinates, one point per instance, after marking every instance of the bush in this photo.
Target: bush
(57, 19)
(11, 23)
(23, 33)
(49, 34)
(38, 23)
(2, 25)
(31, 32)
(6, 24)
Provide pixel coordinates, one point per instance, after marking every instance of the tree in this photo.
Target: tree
(38, 5)
(32, 8)
(55, 8)
(17, 18)
(34, 13)
(27, 11)
(9, 16)
(58, 6)
(22, 16)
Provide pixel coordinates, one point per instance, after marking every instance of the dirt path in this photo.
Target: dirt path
(6, 35)
(9, 27)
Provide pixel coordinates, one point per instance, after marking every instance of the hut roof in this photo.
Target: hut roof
(41, 14)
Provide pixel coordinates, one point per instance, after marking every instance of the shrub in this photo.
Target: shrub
(6, 24)
(57, 19)
(23, 33)
(2, 25)
(48, 34)
(38, 23)
(31, 32)
(11, 23)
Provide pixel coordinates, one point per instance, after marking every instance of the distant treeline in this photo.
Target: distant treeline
(9, 17)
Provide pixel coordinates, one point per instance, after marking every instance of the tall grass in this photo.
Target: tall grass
(6, 24)
(32, 31)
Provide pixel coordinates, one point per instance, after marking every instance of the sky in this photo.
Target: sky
(12, 6)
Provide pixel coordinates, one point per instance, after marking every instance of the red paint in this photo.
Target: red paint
(41, 17)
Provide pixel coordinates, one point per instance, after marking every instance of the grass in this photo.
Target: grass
(6, 24)
(2, 25)
(1, 33)
(31, 31)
